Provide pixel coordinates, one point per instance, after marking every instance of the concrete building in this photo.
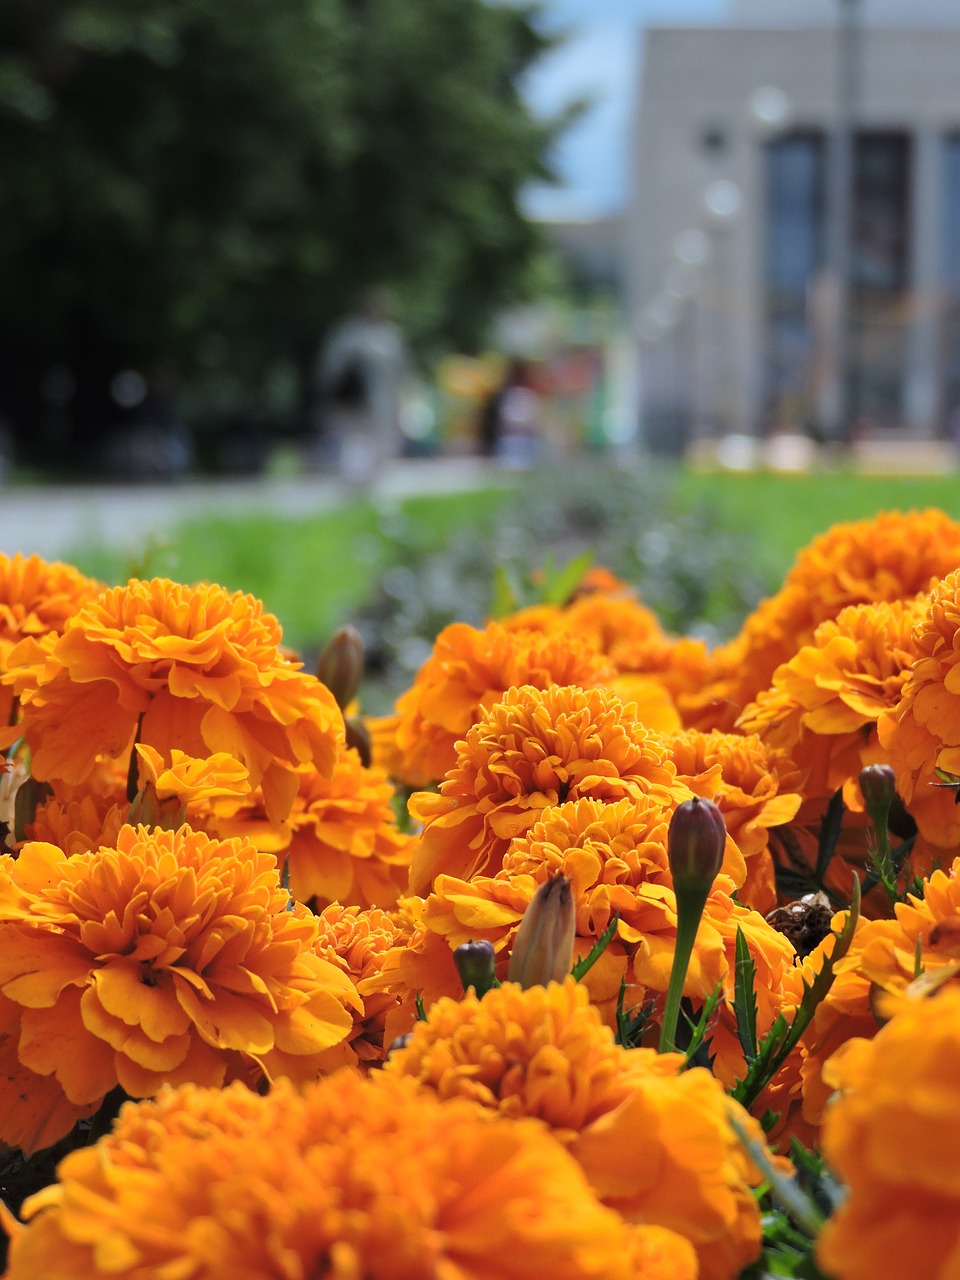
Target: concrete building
(793, 235)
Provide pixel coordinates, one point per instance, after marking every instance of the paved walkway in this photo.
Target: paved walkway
(54, 520)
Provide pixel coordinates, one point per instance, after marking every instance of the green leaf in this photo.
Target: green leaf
(559, 586)
(829, 834)
(506, 594)
(586, 963)
(745, 998)
(785, 1192)
(699, 1031)
(783, 1036)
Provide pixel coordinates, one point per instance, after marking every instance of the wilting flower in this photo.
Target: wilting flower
(169, 958)
(890, 557)
(468, 671)
(532, 751)
(37, 598)
(653, 1141)
(193, 668)
(345, 845)
(355, 1177)
(892, 1135)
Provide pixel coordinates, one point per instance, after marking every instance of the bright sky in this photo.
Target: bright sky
(599, 61)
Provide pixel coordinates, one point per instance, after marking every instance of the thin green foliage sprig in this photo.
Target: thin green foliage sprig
(783, 1036)
(586, 963)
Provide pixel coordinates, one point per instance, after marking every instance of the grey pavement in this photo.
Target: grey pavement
(54, 521)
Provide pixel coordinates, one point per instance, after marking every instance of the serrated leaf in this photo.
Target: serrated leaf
(586, 963)
(783, 1036)
(745, 997)
(829, 834)
(699, 1030)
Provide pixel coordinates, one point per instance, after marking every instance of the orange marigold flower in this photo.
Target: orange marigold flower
(653, 1141)
(171, 957)
(884, 958)
(892, 1135)
(353, 1177)
(345, 844)
(78, 826)
(615, 858)
(824, 704)
(893, 556)
(754, 787)
(530, 752)
(356, 940)
(37, 597)
(470, 670)
(920, 733)
(193, 668)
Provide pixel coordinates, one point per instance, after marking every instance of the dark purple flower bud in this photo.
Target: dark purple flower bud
(475, 963)
(878, 785)
(695, 843)
(340, 665)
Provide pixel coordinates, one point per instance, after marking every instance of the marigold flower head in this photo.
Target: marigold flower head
(353, 1177)
(920, 733)
(893, 556)
(754, 787)
(892, 1135)
(37, 597)
(472, 669)
(655, 1142)
(345, 845)
(169, 958)
(532, 751)
(193, 668)
(356, 940)
(884, 958)
(824, 704)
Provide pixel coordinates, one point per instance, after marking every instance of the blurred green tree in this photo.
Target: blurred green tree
(206, 186)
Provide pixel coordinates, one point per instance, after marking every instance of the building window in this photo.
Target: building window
(950, 258)
(794, 216)
(881, 207)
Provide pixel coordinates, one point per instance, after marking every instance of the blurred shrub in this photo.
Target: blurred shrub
(697, 574)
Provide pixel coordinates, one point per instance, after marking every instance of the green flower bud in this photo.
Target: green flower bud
(695, 842)
(475, 963)
(340, 665)
(543, 948)
(358, 737)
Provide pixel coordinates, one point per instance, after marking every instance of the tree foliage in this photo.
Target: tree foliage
(212, 184)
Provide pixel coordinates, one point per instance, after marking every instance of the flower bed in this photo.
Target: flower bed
(604, 955)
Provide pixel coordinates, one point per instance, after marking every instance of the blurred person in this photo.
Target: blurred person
(359, 380)
(512, 419)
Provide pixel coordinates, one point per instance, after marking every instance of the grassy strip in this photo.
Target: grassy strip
(312, 573)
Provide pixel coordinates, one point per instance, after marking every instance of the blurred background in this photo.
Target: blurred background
(316, 236)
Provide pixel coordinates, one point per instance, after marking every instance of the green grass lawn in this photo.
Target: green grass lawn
(314, 572)
(784, 512)
(310, 572)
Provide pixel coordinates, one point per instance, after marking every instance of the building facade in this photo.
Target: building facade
(793, 251)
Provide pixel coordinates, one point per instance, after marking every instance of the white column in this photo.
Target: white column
(922, 386)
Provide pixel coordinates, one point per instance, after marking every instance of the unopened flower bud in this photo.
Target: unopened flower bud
(695, 842)
(878, 785)
(475, 963)
(358, 737)
(543, 948)
(340, 665)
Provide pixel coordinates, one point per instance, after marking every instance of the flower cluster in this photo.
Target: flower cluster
(228, 989)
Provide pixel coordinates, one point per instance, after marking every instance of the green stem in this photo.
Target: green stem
(690, 905)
